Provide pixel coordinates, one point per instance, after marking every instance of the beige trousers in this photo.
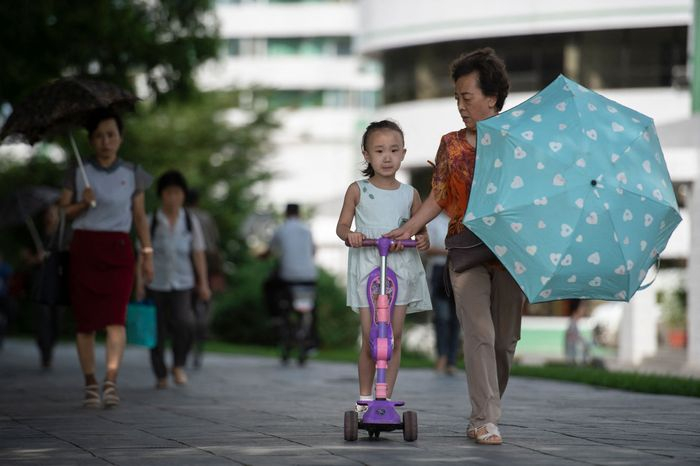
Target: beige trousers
(489, 309)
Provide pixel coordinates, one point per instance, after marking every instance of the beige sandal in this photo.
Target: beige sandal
(92, 396)
(179, 376)
(488, 434)
(471, 431)
(110, 398)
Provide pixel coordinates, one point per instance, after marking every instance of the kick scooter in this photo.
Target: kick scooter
(381, 415)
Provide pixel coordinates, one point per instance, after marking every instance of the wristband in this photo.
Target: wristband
(147, 250)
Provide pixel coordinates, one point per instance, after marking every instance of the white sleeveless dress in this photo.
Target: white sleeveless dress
(378, 212)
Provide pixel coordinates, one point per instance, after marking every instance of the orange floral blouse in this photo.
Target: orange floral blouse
(452, 178)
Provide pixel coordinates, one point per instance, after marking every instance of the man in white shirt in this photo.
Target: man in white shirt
(292, 243)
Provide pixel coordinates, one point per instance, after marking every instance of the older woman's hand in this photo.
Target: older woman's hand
(401, 232)
(147, 268)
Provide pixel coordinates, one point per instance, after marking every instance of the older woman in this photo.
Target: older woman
(180, 270)
(101, 253)
(489, 302)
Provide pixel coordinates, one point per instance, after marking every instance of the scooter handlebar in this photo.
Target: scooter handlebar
(386, 243)
(407, 243)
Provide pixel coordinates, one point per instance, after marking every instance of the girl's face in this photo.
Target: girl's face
(172, 198)
(106, 139)
(472, 104)
(384, 151)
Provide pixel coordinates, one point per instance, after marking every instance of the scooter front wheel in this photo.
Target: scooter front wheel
(410, 426)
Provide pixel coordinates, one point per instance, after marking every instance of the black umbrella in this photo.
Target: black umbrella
(61, 105)
(20, 206)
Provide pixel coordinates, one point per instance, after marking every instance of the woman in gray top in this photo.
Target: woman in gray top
(101, 252)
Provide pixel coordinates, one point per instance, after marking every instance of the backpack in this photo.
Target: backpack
(154, 223)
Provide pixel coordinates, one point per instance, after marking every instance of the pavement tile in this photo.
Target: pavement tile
(250, 410)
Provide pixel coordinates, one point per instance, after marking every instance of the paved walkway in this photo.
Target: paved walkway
(249, 410)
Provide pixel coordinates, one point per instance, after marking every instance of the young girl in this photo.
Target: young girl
(379, 204)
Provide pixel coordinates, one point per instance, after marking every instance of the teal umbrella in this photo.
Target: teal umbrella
(572, 193)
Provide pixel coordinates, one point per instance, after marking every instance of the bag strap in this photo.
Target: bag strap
(154, 222)
(188, 220)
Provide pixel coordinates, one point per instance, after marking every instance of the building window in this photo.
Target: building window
(624, 58)
(317, 46)
(249, 47)
(322, 98)
(233, 47)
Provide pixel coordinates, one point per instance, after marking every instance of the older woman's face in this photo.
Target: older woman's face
(472, 104)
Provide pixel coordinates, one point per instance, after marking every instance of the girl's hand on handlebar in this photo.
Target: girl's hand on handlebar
(355, 239)
(422, 242)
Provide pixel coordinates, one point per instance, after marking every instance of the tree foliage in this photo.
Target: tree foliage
(159, 43)
(117, 40)
(222, 161)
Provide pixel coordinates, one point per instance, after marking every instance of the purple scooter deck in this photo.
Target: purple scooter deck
(381, 415)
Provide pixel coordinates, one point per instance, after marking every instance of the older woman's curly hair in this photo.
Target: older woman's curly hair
(493, 77)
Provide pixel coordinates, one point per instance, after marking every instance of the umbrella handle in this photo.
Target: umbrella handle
(656, 274)
(93, 203)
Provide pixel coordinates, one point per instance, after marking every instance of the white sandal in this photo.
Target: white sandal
(110, 398)
(471, 431)
(92, 396)
(488, 434)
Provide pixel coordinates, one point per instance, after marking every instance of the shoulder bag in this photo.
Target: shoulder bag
(466, 250)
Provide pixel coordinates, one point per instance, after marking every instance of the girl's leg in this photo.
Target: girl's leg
(397, 326)
(85, 343)
(365, 364)
(116, 340)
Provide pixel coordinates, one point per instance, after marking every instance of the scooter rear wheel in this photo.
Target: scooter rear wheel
(350, 431)
(410, 426)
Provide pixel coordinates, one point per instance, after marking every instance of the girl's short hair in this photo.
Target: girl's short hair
(368, 171)
(100, 115)
(493, 77)
(171, 178)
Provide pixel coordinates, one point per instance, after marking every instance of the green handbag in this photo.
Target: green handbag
(141, 326)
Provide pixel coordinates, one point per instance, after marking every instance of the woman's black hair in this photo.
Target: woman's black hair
(171, 178)
(493, 77)
(100, 115)
(368, 171)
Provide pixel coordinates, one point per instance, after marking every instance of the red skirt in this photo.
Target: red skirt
(101, 278)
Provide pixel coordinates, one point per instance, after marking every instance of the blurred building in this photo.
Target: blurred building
(298, 57)
(632, 51)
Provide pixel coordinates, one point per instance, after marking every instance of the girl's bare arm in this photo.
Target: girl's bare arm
(347, 214)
